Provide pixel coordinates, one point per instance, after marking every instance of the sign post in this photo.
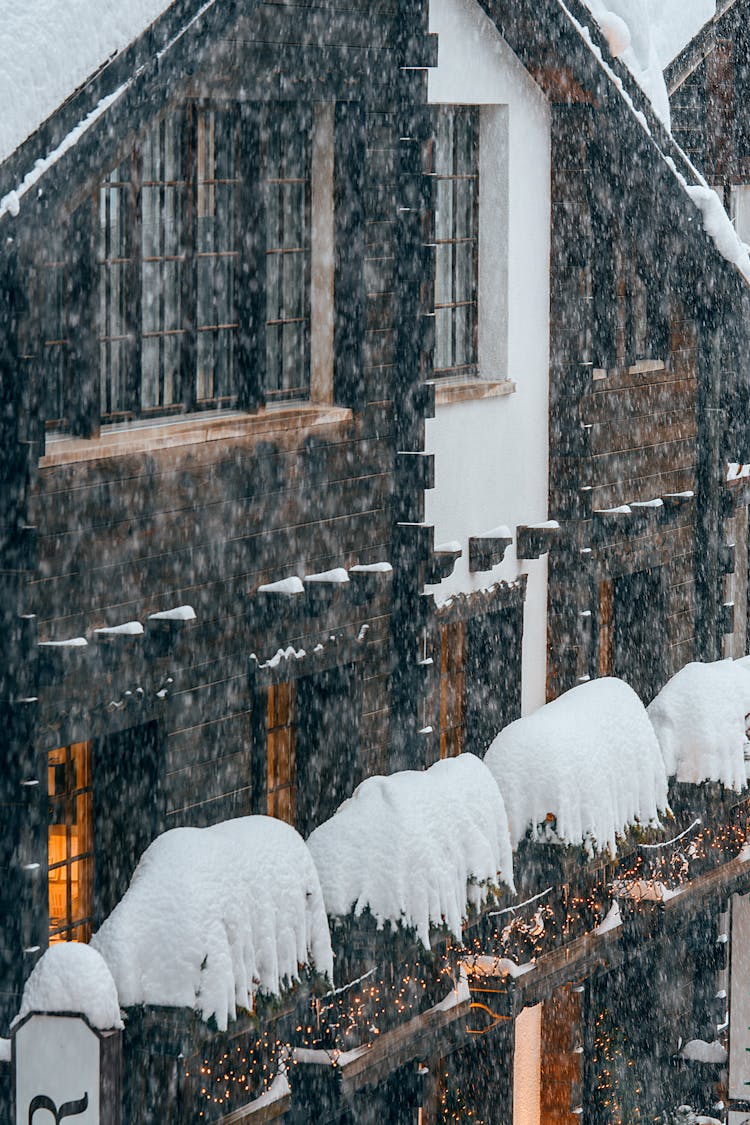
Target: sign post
(66, 1070)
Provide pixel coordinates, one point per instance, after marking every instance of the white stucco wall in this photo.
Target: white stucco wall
(491, 454)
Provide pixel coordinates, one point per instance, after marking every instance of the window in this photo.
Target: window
(281, 750)
(457, 240)
(287, 262)
(741, 210)
(452, 682)
(70, 854)
(202, 242)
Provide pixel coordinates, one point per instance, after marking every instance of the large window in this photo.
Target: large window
(70, 847)
(201, 240)
(457, 240)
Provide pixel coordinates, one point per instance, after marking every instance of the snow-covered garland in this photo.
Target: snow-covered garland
(214, 917)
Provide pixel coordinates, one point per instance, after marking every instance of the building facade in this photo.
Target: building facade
(366, 383)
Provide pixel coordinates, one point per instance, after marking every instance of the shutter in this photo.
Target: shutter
(350, 156)
(128, 809)
(328, 713)
(493, 676)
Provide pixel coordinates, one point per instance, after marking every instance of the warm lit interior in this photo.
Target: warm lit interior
(70, 855)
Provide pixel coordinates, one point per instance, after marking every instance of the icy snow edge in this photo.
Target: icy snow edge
(215, 915)
(416, 848)
(589, 760)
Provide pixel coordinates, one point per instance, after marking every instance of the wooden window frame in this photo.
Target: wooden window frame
(247, 387)
(470, 367)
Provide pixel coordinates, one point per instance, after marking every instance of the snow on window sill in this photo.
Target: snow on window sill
(465, 390)
(148, 436)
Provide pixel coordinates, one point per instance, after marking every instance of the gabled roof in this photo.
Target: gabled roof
(50, 48)
(565, 50)
(176, 41)
(701, 45)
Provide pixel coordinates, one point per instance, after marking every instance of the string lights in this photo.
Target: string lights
(394, 988)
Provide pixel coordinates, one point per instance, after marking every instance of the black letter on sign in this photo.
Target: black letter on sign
(67, 1109)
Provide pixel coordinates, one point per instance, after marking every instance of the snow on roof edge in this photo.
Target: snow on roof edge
(716, 226)
(38, 153)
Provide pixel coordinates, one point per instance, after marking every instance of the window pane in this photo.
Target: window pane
(117, 281)
(287, 169)
(217, 247)
(457, 239)
(163, 257)
(70, 842)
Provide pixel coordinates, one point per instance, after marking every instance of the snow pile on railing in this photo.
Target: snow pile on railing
(72, 977)
(214, 915)
(582, 768)
(416, 847)
(699, 719)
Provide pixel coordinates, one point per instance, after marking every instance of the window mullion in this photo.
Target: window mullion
(82, 398)
(134, 298)
(250, 276)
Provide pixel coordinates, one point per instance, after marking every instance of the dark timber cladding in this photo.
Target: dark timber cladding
(623, 400)
(99, 530)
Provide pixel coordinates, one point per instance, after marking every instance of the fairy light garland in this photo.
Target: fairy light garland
(385, 996)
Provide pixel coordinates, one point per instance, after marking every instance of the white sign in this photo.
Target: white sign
(739, 1001)
(57, 1067)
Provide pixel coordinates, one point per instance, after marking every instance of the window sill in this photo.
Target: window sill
(448, 391)
(144, 436)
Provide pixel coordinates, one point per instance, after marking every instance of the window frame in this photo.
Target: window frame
(75, 799)
(454, 114)
(307, 378)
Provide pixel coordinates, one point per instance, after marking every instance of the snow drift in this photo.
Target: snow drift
(589, 759)
(72, 977)
(214, 915)
(416, 848)
(699, 719)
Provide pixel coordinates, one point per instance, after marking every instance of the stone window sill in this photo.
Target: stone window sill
(448, 391)
(128, 438)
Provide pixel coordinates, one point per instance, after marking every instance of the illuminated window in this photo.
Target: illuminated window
(457, 240)
(282, 752)
(70, 855)
(452, 684)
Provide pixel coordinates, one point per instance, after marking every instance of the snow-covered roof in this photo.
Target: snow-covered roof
(214, 915)
(589, 759)
(699, 719)
(628, 27)
(648, 36)
(72, 977)
(416, 847)
(50, 47)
